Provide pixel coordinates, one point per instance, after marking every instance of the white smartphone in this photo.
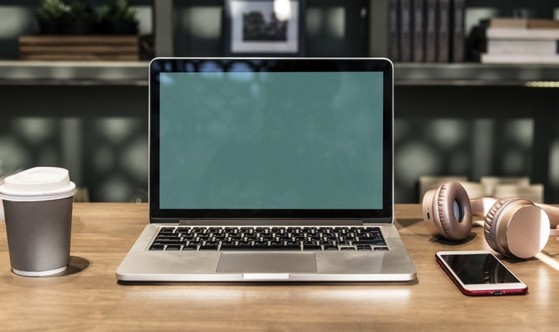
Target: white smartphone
(480, 273)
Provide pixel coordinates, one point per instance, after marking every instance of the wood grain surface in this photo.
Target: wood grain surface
(88, 298)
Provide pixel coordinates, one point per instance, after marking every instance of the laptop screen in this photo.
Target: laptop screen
(270, 138)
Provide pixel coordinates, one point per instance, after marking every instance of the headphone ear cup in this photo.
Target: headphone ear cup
(516, 228)
(447, 211)
(490, 225)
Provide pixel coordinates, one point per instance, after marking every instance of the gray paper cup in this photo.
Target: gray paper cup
(38, 215)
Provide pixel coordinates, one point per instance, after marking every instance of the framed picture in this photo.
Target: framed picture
(263, 27)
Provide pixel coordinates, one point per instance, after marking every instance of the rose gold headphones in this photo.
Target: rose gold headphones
(513, 227)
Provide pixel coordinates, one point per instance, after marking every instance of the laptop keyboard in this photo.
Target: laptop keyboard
(187, 238)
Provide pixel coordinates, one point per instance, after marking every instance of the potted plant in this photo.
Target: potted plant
(118, 18)
(51, 15)
(82, 18)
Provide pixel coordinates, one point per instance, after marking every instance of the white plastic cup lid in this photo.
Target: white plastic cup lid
(38, 184)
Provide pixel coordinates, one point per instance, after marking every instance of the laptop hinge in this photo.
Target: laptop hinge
(259, 222)
(377, 221)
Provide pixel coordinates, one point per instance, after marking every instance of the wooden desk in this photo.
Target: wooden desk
(89, 298)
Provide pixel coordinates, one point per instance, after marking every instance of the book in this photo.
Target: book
(458, 34)
(431, 31)
(542, 24)
(443, 36)
(504, 46)
(418, 31)
(523, 23)
(505, 22)
(405, 31)
(519, 33)
(393, 32)
(519, 59)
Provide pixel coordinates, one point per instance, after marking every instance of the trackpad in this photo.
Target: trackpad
(240, 262)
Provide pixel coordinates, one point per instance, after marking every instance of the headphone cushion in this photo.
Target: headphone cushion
(453, 211)
(490, 226)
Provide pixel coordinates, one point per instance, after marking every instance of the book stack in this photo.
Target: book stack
(517, 40)
(426, 30)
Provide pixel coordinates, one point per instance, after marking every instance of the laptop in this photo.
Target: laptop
(269, 169)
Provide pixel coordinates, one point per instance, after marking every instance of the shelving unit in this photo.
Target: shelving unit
(166, 23)
(468, 95)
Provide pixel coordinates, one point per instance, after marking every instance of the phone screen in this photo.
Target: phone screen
(479, 269)
(480, 273)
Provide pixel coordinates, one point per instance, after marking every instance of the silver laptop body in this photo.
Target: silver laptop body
(269, 146)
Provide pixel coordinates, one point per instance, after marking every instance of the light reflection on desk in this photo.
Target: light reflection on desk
(551, 262)
(360, 295)
(314, 293)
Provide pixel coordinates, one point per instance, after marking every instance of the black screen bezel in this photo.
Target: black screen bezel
(162, 65)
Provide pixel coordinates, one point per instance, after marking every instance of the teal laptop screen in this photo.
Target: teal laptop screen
(265, 140)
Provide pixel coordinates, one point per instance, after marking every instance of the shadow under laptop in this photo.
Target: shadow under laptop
(272, 283)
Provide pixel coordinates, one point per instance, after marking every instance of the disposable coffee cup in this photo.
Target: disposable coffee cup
(38, 215)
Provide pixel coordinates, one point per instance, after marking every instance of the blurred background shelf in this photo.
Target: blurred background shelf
(17, 72)
(474, 74)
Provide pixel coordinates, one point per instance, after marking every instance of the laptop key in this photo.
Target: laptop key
(261, 245)
(370, 242)
(311, 246)
(157, 247)
(190, 247)
(167, 230)
(287, 246)
(209, 246)
(228, 246)
(244, 246)
(168, 242)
